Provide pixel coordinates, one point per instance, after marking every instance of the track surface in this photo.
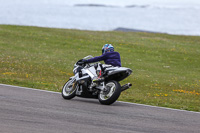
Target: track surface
(24, 110)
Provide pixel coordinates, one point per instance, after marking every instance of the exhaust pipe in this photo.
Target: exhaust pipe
(126, 86)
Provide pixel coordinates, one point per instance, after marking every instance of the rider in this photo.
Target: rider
(109, 56)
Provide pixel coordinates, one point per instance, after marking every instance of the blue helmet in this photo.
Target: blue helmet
(107, 48)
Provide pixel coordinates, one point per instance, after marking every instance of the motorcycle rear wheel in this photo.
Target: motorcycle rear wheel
(69, 89)
(112, 94)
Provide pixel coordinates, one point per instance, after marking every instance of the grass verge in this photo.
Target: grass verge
(165, 67)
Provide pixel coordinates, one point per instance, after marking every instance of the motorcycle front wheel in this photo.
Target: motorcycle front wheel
(111, 94)
(69, 89)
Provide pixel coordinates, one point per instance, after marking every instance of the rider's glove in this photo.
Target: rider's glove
(85, 61)
(81, 62)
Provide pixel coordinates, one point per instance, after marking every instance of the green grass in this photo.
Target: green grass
(166, 68)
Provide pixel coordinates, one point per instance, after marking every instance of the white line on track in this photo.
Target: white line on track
(29, 88)
(117, 101)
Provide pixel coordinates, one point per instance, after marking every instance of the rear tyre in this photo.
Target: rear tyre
(112, 93)
(69, 89)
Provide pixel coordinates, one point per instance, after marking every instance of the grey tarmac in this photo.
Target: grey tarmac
(26, 110)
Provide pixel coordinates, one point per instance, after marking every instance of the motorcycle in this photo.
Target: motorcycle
(96, 80)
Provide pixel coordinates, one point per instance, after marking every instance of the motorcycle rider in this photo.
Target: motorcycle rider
(109, 56)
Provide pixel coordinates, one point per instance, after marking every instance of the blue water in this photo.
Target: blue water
(167, 16)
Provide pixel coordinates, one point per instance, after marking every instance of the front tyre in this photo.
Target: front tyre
(69, 89)
(111, 94)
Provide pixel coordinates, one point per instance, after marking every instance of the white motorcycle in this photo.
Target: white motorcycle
(96, 80)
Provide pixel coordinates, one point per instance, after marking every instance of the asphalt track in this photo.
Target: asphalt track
(25, 110)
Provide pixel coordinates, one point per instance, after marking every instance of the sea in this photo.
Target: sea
(178, 17)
